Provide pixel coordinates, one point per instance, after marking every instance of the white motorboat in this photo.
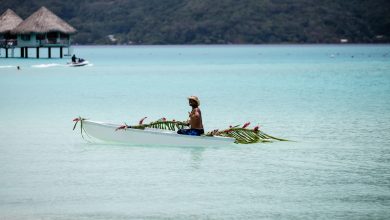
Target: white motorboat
(79, 63)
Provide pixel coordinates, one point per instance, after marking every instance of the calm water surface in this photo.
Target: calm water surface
(332, 101)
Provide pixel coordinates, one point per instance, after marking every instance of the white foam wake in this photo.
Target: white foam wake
(47, 65)
(7, 66)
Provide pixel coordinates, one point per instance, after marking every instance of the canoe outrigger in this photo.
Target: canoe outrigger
(163, 132)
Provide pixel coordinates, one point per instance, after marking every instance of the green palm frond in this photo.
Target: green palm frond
(162, 124)
(244, 135)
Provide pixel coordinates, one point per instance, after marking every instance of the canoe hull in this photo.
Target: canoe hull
(106, 132)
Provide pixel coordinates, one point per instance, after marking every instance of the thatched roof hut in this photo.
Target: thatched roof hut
(43, 21)
(8, 21)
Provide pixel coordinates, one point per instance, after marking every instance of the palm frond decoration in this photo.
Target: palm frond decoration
(244, 135)
(162, 123)
(82, 131)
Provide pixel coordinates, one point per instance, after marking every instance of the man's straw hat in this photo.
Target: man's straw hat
(196, 99)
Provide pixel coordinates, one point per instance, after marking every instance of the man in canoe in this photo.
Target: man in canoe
(195, 119)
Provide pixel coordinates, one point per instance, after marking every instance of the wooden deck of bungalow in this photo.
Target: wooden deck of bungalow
(9, 47)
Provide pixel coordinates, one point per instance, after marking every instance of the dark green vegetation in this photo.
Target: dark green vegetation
(218, 21)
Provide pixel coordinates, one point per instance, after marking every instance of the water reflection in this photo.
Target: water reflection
(197, 157)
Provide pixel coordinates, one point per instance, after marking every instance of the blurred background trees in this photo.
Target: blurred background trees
(218, 22)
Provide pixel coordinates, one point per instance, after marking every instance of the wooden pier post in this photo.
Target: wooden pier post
(49, 51)
(6, 52)
(61, 55)
(37, 52)
(26, 54)
(22, 52)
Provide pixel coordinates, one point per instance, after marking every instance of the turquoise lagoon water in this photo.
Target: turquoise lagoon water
(332, 101)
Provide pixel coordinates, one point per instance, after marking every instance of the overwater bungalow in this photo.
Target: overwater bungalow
(43, 29)
(8, 21)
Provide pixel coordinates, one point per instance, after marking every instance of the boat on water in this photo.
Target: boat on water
(80, 62)
(109, 132)
(163, 132)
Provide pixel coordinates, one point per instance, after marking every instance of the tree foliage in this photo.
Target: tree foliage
(218, 22)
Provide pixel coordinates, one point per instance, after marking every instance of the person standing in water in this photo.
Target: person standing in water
(195, 119)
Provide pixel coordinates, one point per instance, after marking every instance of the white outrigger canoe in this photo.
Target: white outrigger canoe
(150, 136)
